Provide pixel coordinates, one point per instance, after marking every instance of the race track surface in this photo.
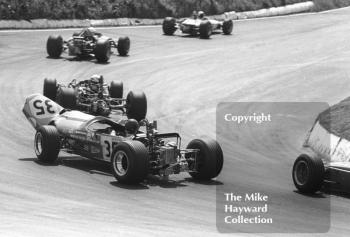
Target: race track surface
(298, 58)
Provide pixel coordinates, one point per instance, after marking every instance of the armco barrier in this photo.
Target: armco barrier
(274, 11)
(44, 23)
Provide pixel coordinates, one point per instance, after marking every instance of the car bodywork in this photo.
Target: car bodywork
(98, 137)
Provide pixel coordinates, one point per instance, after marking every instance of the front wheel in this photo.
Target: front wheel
(103, 50)
(47, 144)
(308, 173)
(205, 29)
(54, 46)
(116, 89)
(227, 27)
(136, 105)
(209, 160)
(129, 162)
(50, 88)
(66, 97)
(123, 46)
(169, 26)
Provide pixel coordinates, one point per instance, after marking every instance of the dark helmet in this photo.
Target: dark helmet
(131, 126)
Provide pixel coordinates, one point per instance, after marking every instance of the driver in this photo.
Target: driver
(201, 15)
(194, 14)
(95, 83)
(131, 127)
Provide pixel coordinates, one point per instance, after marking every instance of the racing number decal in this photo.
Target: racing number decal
(41, 110)
(41, 107)
(109, 148)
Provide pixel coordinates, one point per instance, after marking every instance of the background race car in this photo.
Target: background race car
(197, 24)
(132, 154)
(95, 97)
(87, 42)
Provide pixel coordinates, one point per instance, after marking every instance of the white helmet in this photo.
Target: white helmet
(200, 14)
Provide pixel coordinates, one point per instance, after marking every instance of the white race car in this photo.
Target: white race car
(198, 24)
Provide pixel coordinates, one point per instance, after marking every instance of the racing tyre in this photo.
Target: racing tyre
(205, 29)
(210, 159)
(169, 26)
(116, 89)
(129, 162)
(67, 98)
(54, 46)
(123, 46)
(227, 27)
(136, 105)
(308, 173)
(50, 88)
(103, 50)
(47, 144)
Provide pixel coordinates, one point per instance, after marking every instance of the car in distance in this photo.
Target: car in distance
(95, 97)
(85, 43)
(131, 153)
(198, 24)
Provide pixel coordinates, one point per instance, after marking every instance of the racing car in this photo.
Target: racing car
(95, 97)
(325, 163)
(197, 24)
(87, 42)
(131, 152)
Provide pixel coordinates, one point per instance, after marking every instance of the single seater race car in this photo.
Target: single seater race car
(87, 42)
(325, 163)
(132, 153)
(95, 97)
(197, 24)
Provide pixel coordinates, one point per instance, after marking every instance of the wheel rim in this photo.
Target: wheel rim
(38, 144)
(121, 163)
(301, 173)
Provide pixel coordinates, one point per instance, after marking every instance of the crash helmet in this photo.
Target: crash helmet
(92, 30)
(195, 14)
(95, 81)
(131, 126)
(201, 14)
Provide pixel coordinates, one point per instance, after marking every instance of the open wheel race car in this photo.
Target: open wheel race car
(87, 42)
(95, 97)
(325, 163)
(132, 153)
(198, 24)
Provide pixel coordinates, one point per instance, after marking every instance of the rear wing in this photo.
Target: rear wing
(40, 110)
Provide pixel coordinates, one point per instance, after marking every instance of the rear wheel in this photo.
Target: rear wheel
(209, 160)
(50, 88)
(54, 46)
(169, 26)
(308, 173)
(116, 89)
(129, 162)
(66, 97)
(205, 29)
(123, 46)
(47, 144)
(227, 27)
(136, 105)
(103, 50)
